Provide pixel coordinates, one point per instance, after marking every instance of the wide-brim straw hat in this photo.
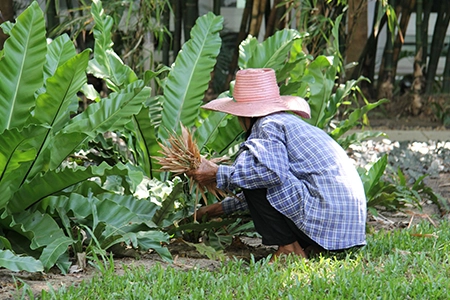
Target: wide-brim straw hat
(256, 94)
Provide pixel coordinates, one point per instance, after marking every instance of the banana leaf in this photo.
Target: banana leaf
(371, 177)
(42, 230)
(167, 206)
(320, 77)
(147, 145)
(218, 133)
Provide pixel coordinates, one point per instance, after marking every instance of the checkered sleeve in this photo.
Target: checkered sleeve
(234, 204)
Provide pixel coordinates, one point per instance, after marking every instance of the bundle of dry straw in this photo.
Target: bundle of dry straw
(181, 155)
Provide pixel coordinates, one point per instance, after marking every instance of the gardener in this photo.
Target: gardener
(303, 192)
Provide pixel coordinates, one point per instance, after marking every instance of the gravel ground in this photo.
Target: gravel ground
(414, 159)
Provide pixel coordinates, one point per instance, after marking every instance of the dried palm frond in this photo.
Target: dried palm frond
(181, 155)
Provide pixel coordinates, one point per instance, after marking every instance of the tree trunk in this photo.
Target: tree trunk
(386, 72)
(366, 62)
(406, 9)
(52, 16)
(446, 81)
(166, 40)
(440, 31)
(216, 7)
(267, 11)
(243, 32)
(426, 19)
(273, 20)
(357, 30)
(419, 31)
(418, 63)
(177, 11)
(6, 14)
(191, 15)
(258, 10)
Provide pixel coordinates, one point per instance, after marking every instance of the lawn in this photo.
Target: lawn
(411, 263)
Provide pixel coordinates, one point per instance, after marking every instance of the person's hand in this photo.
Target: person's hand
(210, 211)
(205, 174)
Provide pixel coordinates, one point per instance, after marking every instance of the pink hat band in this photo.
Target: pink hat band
(256, 93)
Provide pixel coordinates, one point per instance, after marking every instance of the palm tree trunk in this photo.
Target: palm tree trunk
(366, 62)
(267, 11)
(357, 29)
(386, 72)
(418, 62)
(419, 32)
(6, 14)
(417, 86)
(437, 43)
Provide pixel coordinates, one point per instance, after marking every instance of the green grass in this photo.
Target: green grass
(402, 264)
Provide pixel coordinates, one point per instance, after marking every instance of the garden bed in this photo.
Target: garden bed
(415, 158)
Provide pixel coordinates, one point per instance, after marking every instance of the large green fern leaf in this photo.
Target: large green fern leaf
(106, 63)
(18, 263)
(18, 149)
(60, 50)
(189, 77)
(52, 106)
(53, 182)
(273, 52)
(21, 68)
(110, 114)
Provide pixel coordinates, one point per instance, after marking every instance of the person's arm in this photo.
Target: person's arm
(262, 163)
(234, 204)
(227, 206)
(210, 211)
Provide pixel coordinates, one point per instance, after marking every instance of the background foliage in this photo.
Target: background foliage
(77, 164)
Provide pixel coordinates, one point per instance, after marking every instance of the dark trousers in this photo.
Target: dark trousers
(273, 226)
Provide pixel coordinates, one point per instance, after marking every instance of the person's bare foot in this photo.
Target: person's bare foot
(314, 250)
(289, 249)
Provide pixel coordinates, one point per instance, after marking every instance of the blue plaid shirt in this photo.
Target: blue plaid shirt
(308, 176)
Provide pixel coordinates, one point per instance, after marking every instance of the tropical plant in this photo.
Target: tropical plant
(49, 204)
(139, 27)
(391, 191)
(58, 200)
